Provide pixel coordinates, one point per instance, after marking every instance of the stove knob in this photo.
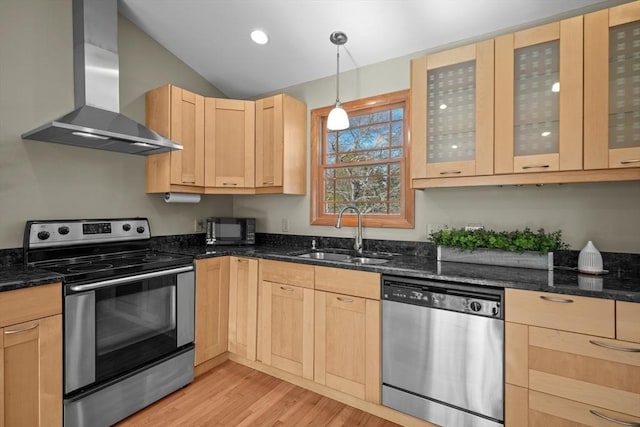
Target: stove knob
(63, 230)
(475, 306)
(43, 235)
(140, 229)
(495, 311)
(126, 227)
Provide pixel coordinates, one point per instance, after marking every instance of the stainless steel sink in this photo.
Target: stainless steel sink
(330, 256)
(327, 256)
(365, 260)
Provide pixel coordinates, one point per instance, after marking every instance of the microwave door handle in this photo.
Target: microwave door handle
(121, 280)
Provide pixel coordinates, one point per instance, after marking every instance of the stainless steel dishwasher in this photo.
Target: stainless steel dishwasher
(443, 351)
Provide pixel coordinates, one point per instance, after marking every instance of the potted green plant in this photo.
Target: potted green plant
(519, 248)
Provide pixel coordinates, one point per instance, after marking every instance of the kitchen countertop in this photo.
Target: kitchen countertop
(19, 276)
(618, 285)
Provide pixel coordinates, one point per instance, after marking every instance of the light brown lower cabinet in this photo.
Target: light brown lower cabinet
(243, 306)
(212, 308)
(31, 357)
(347, 344)
(287, 328)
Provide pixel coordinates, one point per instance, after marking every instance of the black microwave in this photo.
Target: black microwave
(231, 231)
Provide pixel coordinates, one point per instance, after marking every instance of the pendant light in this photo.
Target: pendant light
(338, 119)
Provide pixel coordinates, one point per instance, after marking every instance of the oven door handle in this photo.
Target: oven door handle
(120, 280)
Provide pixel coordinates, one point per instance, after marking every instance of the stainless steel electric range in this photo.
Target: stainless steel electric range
(128, 315)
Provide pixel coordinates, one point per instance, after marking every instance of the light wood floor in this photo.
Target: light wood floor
(235, 395)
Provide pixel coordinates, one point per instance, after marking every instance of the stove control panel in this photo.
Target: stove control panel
(42, 234)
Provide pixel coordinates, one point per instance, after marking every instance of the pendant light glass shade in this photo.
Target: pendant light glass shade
(338, 118)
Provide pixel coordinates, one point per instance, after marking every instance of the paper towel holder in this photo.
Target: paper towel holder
(181, 198)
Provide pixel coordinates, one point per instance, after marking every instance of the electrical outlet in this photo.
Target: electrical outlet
(285, 225)
(198, 225)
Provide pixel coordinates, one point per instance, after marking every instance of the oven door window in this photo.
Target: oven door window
(135, 324)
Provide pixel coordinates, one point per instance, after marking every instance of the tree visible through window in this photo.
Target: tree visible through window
(364, 165)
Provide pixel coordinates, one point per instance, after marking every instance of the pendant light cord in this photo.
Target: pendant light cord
(337, 74)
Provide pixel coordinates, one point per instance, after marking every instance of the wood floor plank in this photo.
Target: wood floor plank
(235, 395)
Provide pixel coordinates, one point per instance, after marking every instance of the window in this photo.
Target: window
(365, 165)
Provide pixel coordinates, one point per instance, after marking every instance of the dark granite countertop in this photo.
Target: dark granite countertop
(18, 276)
(618, 285)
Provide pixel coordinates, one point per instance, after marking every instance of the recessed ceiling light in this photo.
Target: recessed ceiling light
(555, 87)
(259, 37)
(545, 133)
(89, 135)
(443, 106)
(454, 146)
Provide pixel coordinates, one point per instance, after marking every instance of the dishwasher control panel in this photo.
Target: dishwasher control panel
(446, 296)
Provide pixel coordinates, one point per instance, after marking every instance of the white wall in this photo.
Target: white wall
(46, 181)
(607, 213)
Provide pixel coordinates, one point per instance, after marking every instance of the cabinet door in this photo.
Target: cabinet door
(229, 143)
(287, 328)
(538, 118)
(243, 306)
(31, 373)
(269, 142)
(347, 344)
(611, 86)
(187, 129)
(212, 308)
(452, 113)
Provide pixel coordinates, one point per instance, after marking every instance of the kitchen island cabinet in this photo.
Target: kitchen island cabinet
(566, 360)
(212, 308)
(31, 356)
(177, 114)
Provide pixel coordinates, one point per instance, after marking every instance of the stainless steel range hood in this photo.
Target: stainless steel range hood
(96, 122)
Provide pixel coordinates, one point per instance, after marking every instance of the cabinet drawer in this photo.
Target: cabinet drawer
(546, 410)
(287, 272)
(349, 282)
(628, 321)
(585, 315)
(593, 370)
(27, 304)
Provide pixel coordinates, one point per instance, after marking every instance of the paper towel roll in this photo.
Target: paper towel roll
(181, 198)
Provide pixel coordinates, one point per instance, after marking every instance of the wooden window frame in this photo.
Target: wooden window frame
(406, 218)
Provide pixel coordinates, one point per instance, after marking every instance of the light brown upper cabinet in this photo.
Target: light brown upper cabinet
(176, 114)
(538, 121)
(229, 143)
(611, 88)
(452, 112)
(281, 133)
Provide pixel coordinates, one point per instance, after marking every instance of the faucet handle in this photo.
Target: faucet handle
(313, 244)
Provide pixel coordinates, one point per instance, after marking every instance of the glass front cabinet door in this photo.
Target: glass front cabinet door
(452, 112)
(539, 99)
(612, 88)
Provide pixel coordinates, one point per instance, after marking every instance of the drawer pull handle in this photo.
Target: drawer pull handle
(267, 183)
(629, 161)
(450, 172)
(553, 299)
(229, 183)
(17, 331)
(535, 166)
(284, 288)
(615, 347)
(242, 260)
(613, 420)
(344, 299)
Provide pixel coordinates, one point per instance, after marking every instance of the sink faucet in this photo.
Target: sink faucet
(357, 244)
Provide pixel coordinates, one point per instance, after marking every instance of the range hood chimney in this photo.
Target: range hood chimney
(96, 122)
